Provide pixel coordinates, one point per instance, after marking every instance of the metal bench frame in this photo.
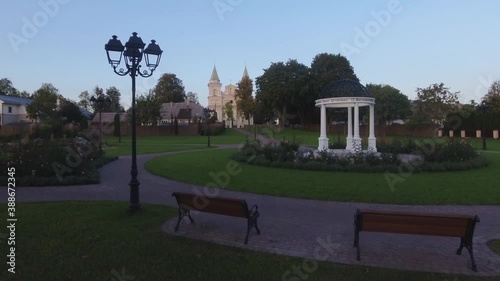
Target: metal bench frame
(251, 214)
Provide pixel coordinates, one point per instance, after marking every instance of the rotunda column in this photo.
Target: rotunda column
(323, 138)
(348, 140)
(372, 141)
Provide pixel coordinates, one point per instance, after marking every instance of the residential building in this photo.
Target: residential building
(13, 110)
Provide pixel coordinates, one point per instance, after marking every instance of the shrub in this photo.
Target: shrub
(435, 158)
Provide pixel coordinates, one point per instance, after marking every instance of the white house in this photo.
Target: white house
(13, 110)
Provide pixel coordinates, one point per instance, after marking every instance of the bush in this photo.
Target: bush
(53, 162)
(452, 156)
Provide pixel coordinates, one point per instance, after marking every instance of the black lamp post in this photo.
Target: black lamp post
(99, 102)
(133, 52)
(483, 107)
(208, 113)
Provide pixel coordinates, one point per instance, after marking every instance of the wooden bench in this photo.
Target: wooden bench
(216, 205)
(417, 223)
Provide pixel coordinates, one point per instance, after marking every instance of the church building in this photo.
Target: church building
(217, 100)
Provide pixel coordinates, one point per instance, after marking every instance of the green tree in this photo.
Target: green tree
(70, 112)
(6, 88)
(44, 103)
(228, 110)
(114, 95)
(244, 99)
(272, 92)
(192, 97)
(170, 89)
(493, 96)
(327, 68)
(97, 91)
(84, 100)
(433, 104)
(148, 109)
(390, 105)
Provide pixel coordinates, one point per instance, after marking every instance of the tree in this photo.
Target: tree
(244, 99)
(327, 68)
(272, 94)
(44, 103)
(70, 112)
(148, 109)
(228, 110)
(170, 89)
(6, 88)
(433, 104)
(390, 105)
(84, 99)
(192, 97)
(493, 96)
(114, 95)
(96, 93)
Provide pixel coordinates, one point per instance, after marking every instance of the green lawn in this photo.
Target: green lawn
(99, 241)
(479, 186)
(495, 245)
(169, 143)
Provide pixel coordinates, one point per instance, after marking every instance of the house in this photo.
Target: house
(185, 112)
(107, 117)
(13, 110)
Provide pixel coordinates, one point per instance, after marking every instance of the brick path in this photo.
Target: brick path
(295, 227)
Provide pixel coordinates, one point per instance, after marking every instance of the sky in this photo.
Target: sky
(407, 44)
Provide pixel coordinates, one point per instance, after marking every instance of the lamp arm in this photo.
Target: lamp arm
(121, 71)
(144, 73)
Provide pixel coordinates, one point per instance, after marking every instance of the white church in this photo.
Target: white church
(217, 100)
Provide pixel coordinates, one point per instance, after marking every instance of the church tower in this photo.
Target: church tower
(214, 85)
(215, 95)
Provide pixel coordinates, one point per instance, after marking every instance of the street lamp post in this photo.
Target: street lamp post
(99, 101)
(208, 115)
(483, 107)
(133, 52)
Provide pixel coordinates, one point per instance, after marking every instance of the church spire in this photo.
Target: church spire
(215, 76)
(245, 72)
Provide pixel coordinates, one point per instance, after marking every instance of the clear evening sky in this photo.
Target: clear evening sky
(406, 44)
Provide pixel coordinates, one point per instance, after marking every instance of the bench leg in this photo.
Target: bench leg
(251, 222)
(356, 244)
(459, 250)
(257, 227)
(182, 214)
(468, 246)
(473, 261)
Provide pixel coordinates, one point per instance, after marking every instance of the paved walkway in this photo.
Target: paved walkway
(303, 228)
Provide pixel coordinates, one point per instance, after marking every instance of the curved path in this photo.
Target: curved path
(296, 227)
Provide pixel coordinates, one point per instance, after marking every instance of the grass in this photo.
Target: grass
(311, 138)
(95, 241)
(169, 143)
(468, 187)
(495, 245)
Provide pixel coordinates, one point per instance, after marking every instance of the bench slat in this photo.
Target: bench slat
(412, 224)
(221, 206)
